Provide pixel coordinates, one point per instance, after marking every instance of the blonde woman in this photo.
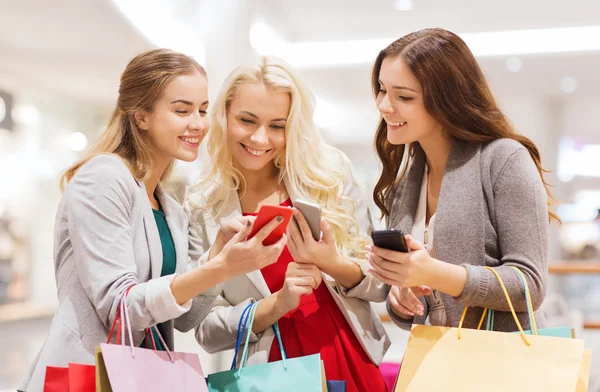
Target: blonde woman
(117, 229)
(265, 149)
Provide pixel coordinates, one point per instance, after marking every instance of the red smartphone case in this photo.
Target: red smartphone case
(266, 214)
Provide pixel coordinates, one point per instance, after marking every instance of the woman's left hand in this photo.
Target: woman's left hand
(305, 249)
(410, 269)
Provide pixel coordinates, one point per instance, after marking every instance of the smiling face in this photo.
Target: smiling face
(256, 121)
(401, 104)
(177, 123)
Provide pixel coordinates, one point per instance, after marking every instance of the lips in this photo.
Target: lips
(254, 152)
(192, 141)
(396, 124)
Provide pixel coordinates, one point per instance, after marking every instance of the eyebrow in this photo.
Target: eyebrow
(401, 87)
(256, 117)
(183, 101)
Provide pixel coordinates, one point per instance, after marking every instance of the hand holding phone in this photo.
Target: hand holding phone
(266, 214)
(312, 214)
(390, 239)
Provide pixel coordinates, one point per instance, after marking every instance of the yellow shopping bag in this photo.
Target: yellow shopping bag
(457, 359)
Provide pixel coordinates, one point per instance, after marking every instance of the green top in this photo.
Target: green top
(166, 241)
(169, 261)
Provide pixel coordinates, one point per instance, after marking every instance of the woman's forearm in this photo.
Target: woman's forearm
(269, 311)
(345, 271)
(448, 278)
(192, 283)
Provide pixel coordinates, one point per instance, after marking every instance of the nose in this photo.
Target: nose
(260, 136)
(384, 105)
(198, 122)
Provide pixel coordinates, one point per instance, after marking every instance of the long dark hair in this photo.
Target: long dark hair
(455, 94)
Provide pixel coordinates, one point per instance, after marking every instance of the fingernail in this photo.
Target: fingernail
(369, 248)
(279, 218)
(410, 313)
(420, 308)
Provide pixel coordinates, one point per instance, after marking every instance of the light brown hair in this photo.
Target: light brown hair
(142, 84)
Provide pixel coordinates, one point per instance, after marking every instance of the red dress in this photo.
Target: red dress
(318, 326)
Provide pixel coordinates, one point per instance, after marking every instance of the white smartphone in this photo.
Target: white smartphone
(312, 214)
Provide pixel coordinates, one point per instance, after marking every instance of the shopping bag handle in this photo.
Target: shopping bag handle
(240, 333)
(125, 325)
(530, 312)
(275, 327)
(510, 305)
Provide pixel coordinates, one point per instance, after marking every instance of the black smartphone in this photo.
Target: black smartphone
(389, 239)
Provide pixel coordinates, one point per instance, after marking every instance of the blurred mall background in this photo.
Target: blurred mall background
(60, 63)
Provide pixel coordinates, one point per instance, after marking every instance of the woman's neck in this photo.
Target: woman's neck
(156, 172)
(437, 149)
(260, 179)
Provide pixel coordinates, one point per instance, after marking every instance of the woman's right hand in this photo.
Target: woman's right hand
(405, 302)
(241, 256)
(300, 279)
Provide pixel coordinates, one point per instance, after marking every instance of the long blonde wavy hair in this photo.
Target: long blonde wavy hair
(142, 84)
(316, 170)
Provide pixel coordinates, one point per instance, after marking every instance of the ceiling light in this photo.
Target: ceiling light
(77, 141)
(156, 22)
(26, 114)
(499, 43)
(404, 5)
(514, 64)
(568, 84)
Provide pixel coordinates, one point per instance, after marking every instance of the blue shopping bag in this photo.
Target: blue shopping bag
(303, 374)
(336, 386)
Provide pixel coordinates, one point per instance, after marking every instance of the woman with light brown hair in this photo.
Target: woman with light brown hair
(461, 184)
(117, 231)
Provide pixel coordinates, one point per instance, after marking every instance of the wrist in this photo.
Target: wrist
(435, 273)
(335, 264)
(218, 266)
(279, 306)
(448, 278)
(217, 246)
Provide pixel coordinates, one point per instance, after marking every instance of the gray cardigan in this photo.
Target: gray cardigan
(105, 240)
(491, 212)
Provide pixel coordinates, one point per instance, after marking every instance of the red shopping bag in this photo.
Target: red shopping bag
(56, 379)
(82, 378)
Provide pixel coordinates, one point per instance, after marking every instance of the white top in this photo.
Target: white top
(424, 234)
(420, 230)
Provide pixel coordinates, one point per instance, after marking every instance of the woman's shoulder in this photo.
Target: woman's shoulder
(103, 172)
(500, 150)
(105, 168)
(506, 156)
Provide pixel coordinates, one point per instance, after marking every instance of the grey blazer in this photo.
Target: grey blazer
(105, 240)
(491, 212)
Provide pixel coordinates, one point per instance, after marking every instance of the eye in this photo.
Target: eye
(247, 121)
(203, 112)
(277, 127)
(405, 98)
(181, 111)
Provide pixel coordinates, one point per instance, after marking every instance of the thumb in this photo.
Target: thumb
(413, 244)
(244, 232)
(326, 230)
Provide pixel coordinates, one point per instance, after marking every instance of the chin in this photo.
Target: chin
(187, 157)
(398, 140)
(252, 164)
